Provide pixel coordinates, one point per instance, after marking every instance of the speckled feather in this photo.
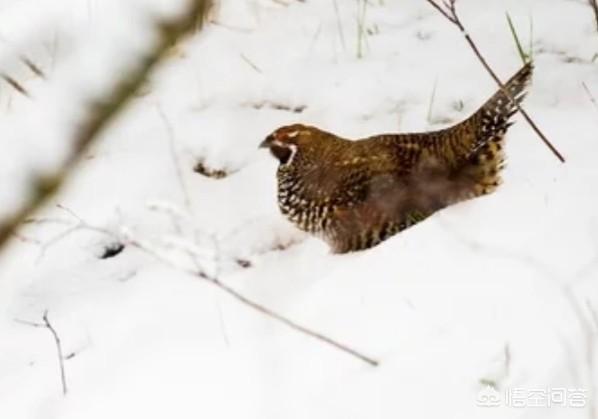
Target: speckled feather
(355, 194)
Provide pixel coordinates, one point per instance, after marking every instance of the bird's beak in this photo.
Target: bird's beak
(267, 142)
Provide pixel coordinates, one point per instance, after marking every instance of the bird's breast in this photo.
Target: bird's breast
(305, 212)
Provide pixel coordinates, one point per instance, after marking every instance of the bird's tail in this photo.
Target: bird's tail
(485, 130)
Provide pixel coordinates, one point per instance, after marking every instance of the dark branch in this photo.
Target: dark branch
(450, 12)
(101, 113)
(441, 10)
(34, 68)
(256, 306)
(590, 95)
(287, 322)
(594, 6)
(15, 85)
(49, 326)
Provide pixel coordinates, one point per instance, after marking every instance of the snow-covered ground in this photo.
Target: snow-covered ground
(492, 297)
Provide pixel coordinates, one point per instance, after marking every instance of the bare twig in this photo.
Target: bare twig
(47, 325)
(63, 235)
(176, 217)
(251, 64)
(71, 229)
(212, 279)
(450, 13)
(594, 6)
(175, 159)
(590, 95)
(35, 69)
(15, 84)
(254, 305)
(25, 239)
(29, 323)
(295, 326)
(102, 113)
(442, 11)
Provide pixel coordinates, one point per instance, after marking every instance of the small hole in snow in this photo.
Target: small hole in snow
(244, 263)
(111, 250)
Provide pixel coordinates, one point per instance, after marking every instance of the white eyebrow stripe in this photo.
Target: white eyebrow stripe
(279, 143)
(293, 148)
(293, 134)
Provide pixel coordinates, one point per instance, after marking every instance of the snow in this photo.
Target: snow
(495, 290)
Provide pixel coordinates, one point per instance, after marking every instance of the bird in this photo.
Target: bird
(354, 194)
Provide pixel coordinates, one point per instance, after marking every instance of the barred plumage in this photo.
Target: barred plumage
(355, 194)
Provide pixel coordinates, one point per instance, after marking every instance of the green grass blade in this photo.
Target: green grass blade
(522, 54)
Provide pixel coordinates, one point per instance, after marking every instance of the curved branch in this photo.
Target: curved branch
(450, 13)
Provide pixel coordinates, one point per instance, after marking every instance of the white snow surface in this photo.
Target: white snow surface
(497, 290)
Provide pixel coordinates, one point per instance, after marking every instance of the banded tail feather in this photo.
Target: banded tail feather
(487, 128)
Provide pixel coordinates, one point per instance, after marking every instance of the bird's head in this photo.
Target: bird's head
(288, 141)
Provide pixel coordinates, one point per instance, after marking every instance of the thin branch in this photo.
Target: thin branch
(590, 95)
(28, 323)
(15, 85)
(251, 64)
(212, 279)
(295, 326)
(441, 10)
(450, 12)
(80, 225)
(35, 69)
(63, 235)
(102, 112)
(230, 27)
(47, 325)
(176, 217)
(175, 159)
(252, 304)
(594, 6)
(25, 239)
